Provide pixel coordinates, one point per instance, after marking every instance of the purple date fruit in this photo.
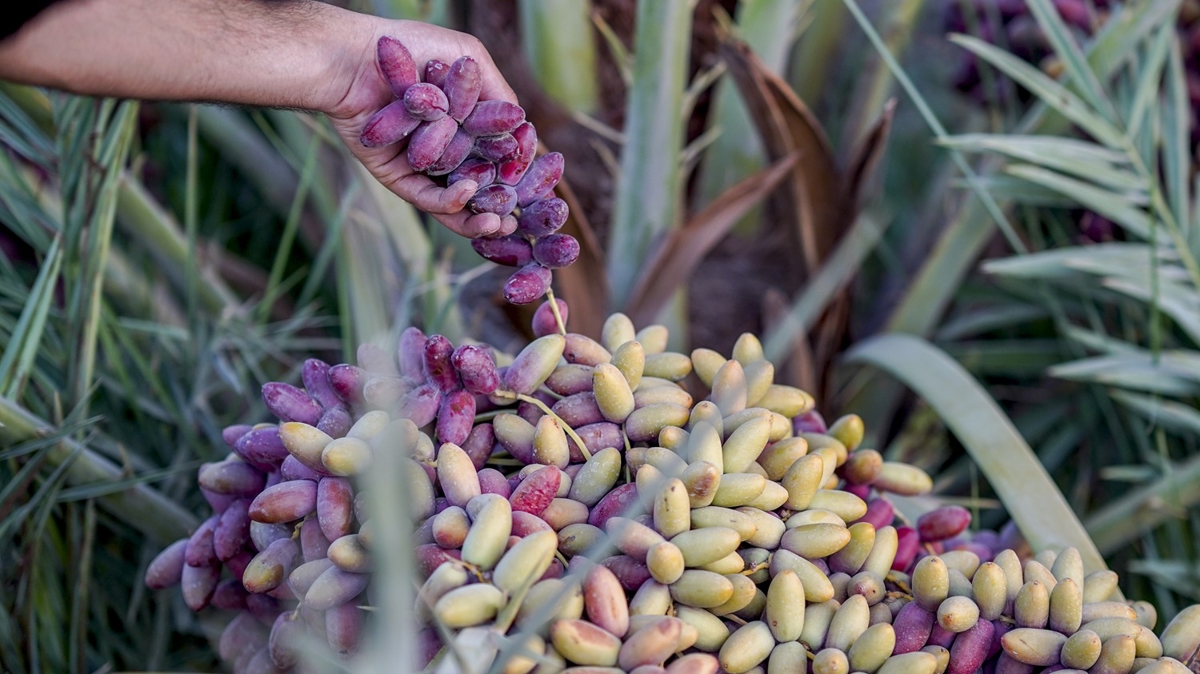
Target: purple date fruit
(527, 284)
(556, 251)
(490, 118)
(429, 141)
(455, 417)
(494, 198)
(455, 154)
(539, 181)
(511, 171)
(290, 403)
(425, 101)
(481, 171)
(464, 81)
(390, 125)
(436, 71)
(315, 375)
(166, 569)
(543, 319)
(397, 65)
(501, 148)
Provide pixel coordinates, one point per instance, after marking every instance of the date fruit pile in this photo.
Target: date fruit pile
(612, 506)
(453, 135)
(596, 506)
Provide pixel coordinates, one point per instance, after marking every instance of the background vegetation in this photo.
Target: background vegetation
(803, 169)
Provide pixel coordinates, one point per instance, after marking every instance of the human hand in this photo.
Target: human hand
(367, 92)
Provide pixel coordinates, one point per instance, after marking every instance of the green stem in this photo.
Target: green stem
(558, 319)
(1124, 520)
(152, 226)
(542, 406)
(141, 507)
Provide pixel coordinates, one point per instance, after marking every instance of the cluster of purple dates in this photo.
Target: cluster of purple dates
(455, 136)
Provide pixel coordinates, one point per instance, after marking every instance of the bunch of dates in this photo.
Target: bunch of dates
(612, 506)
(451, 134)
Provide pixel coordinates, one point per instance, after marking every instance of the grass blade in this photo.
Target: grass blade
(1049, 91)
(1120, 208)
(289, 229)
(1031, 497)
(1176, 143)
(111, 158)
(26, 339)
(1129, 24)
(1067, 262)
(1173, 416)
(144, 219)
(159, 517)
(1150, 78)
(1131, 516)
(1067, 155)
(1083, 79)
(1137, 372)
(965, 237)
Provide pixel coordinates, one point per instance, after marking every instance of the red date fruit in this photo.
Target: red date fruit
(463, 83)
(499, 149)
(426, 102)
(455, 154)
(420, 404)
(495, 198)
(390, 125)
(397, 65)
(556, 250)
(490, 118)
(483, 172)
(284, 502)
(436, 71)
(335, 507)
(455, 416)
(429, 141)
(539, 181)
(535, 492)
(942, 523)
(438, 368)
(511, 171)
(527, 284)
(347, 382)
(543, 319)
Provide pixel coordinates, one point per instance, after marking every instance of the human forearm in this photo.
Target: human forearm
(280, 53)
(255, 52)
